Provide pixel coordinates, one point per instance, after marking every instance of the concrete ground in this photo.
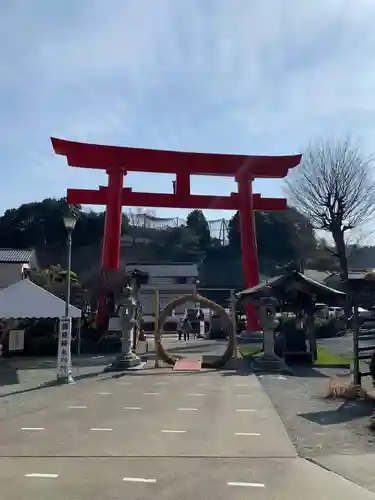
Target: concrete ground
(155, 434)
(158, 434)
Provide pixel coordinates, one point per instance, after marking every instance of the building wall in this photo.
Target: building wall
(33, 261)
(166, 270)
(148, 297)
(10, 273)
(171, 280)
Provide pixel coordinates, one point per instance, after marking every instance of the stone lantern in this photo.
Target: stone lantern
(265, 306)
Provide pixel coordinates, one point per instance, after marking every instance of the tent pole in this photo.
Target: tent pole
(79, 337)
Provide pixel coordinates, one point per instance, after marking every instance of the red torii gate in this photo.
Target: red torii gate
(117, 161)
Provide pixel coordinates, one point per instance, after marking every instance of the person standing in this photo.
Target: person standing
(186, 328)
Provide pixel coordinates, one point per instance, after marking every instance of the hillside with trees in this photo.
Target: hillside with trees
(282, 237)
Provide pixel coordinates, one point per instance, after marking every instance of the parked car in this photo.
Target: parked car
(336, 312)
(321, 311)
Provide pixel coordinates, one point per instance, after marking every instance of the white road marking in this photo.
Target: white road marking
(36, 474)
(241, 385)
(161, 383)
(249, 485)
(243, 395)
(32, 429)
(173, 431)
(104, 393)
(132, 408)
(151, 394)
(196, 394)
(77, 407)
(97, 357)
(124, 383)
(246, 434)
(245, 409)
(187, 409)
(100, 429)
(138, 480)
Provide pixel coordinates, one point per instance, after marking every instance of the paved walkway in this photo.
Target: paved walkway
(156, 434)
(25, 374)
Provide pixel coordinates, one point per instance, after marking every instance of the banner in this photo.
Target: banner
(64, 356)
(16, 340)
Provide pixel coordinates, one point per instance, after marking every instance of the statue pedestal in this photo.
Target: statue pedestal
(270, 363)
(123, 362)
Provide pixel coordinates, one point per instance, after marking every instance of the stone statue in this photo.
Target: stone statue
(128, 312)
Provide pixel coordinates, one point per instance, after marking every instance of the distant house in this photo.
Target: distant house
(15, 264)
(171, 280)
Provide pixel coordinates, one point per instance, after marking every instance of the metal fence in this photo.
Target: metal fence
(361, 352)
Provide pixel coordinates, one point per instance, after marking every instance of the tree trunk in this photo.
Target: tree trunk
(338, 237)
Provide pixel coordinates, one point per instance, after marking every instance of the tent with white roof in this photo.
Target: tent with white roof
(25, 299)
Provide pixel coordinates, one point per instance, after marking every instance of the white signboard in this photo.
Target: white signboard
(16, 340)
(64, 356)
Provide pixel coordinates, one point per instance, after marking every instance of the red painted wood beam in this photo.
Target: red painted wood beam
(161, 200)
(101, 157)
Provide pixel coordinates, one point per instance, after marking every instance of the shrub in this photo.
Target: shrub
(330, 328)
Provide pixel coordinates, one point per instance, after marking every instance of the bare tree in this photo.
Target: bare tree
(334, 188)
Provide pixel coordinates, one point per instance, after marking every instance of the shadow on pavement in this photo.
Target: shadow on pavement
(24, 363)
(8, 375)
(345, 413)
(307, 371)
(239, 366)
(50, 383)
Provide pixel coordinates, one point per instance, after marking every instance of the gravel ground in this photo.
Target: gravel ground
(316, 425)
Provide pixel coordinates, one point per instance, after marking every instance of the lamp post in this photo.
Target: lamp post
(69, 223)
(64, 366)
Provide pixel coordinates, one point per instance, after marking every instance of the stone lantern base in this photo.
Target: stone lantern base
(123, 362)
(270, 363)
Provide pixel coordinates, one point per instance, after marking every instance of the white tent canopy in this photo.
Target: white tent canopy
(25, 299)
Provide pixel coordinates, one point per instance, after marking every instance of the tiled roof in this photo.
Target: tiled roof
(318, 276)
(14, 255)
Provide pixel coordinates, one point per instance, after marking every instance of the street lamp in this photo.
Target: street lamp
(69, 223)
(65, 333)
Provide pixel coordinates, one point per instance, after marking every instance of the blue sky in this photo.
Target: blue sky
(233, 76)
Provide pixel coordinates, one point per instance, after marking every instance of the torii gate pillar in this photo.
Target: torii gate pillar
(250, 265)
(113, 221)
